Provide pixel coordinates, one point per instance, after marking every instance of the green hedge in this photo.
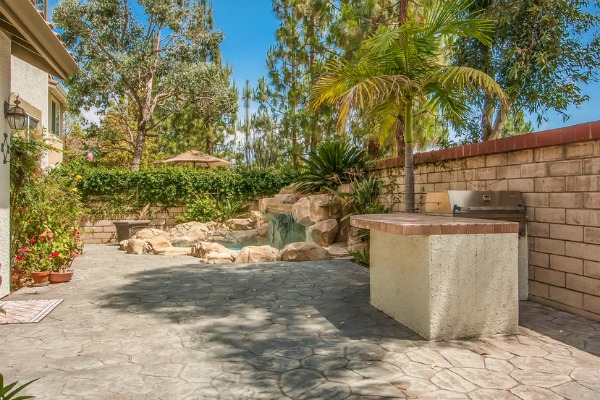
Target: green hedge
(124, 191)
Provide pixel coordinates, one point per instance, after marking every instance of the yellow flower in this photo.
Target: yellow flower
(78, 177)
(74, 189)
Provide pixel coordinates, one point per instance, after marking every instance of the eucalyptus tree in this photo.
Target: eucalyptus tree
(541, 53)
(161, 55)
(268, 147)
(400, 75)
(294, 63)
(246, 126)
(285, 74)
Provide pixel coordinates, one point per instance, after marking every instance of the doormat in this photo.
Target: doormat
(26, 311)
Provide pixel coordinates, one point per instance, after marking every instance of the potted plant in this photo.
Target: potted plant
(49, 255)
(66, 247)
(36, 258)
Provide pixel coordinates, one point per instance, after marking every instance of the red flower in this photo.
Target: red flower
(49, 256)
(55, 254)
(32, 240)
(19, 258)
(74, 254)
(21, 250)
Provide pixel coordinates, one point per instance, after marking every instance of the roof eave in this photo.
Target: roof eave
(55, 59)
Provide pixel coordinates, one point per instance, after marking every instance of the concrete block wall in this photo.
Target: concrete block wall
(558, 172)
(103, 231)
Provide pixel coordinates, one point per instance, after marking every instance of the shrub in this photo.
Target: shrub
(124, 192)
(207, 208)
(45, 213)
(202, 210)
(333, 162)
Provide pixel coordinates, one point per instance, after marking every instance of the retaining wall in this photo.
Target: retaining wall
(558, 172)
(104, 231)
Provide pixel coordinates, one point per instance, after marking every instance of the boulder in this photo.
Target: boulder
(290, 189)
(135, 246)
(301, 212)
(189, 233)
(355, 241)
(241, 224)
(343, 229)
(303, 251)
(259, 217)
(156, 246)
(154, 242)
(263, 230)
(285, 198)
(322, 233)
(257, 254)
(213, 253)
(263, 204)
(347, 188)
(152, 234)
(212, 226)
(339, 251)
(246, 238)
(218, 236)
(325, 206)
(283, 230)
(316, 208)
(177, 251)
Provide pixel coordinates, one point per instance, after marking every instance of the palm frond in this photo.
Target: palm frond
(453, 17)
(470, 78)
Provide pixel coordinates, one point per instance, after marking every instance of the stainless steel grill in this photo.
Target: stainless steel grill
(500, 205)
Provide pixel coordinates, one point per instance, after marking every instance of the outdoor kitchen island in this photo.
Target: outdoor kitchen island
(444, 277)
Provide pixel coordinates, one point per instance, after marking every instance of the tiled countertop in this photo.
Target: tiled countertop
(421, 224)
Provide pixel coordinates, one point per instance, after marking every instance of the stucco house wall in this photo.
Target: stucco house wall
(5, 62)
(29, 51)
(31, 84)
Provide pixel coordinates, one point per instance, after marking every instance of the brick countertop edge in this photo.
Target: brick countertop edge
(420, 224)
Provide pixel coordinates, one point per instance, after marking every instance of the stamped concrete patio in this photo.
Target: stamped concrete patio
(151, 327)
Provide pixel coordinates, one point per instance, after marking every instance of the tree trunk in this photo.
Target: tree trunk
(400, 137)
(207, 143)
(145, 114)
(493, 118)
(293, 121)
(409, 168)
(138, 149)
(373, 148)
(294, 149)
(403, 12)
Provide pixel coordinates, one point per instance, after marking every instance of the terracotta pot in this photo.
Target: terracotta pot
(60, 277)
(40, 277)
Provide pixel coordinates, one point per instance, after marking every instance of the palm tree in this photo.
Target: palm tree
(400, 75)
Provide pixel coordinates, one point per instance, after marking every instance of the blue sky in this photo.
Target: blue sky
(249, 27)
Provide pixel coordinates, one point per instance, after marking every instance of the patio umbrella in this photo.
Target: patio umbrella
(197, 159)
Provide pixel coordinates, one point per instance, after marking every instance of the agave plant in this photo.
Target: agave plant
(332, 163)
(9, 391)
(365, 199)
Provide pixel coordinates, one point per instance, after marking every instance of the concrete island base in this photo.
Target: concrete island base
(447, 286)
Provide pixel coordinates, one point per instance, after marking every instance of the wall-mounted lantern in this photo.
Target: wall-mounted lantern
(15, 115)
